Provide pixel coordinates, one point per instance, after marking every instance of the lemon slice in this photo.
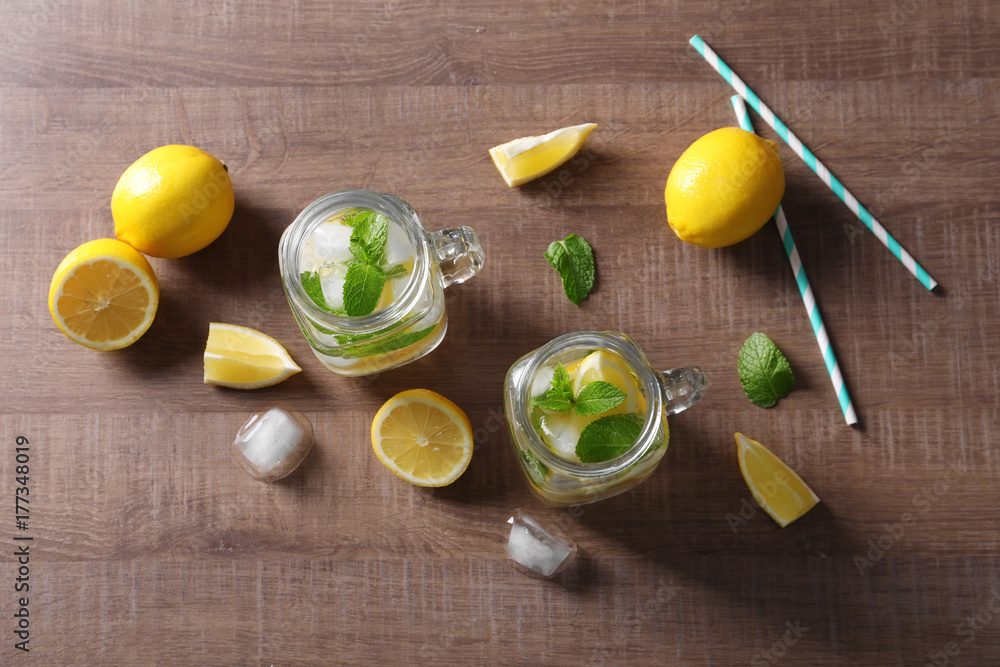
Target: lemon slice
(775, 486)
(244, 358)
(601, 365)
(104, 295)
(527, 158)
(423, 438)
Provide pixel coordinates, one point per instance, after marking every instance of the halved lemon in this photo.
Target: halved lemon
(244, 358)
(775, 486)
(104, 295)
(527, 158)
(423, 438)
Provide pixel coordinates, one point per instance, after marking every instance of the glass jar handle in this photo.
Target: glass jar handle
(682, 388)
(459, 253)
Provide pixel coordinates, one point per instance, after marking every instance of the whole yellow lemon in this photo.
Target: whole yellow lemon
(172, 201)
(724, 187)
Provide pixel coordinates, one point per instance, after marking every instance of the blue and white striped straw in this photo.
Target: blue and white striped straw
(825, 348)
(807, 156)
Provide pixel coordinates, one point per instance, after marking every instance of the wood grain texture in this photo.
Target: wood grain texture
(152, 547)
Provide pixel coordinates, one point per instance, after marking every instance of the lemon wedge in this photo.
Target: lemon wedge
(775, 486)
(423, 438)
(527, 158)
(245, 358)
(104, 295)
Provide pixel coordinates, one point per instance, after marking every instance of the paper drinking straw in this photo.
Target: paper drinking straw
(807, 156)
(799, 271)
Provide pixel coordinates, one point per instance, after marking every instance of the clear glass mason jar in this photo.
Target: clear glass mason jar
(557, 480)
(409, 327)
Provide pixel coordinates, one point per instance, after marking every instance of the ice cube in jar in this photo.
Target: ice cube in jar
(332, 242)
(332, 281)
(273, 442)
(540, 551)
(398, 248)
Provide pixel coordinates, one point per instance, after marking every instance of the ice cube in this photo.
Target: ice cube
(333, 287)
(535, 548)
(273, 442)
(542, 381)
(398, 248)
(332, 242)
(561, 431)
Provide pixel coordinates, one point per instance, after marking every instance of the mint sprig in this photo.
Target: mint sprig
(608, 437)
(764, 371)
(573, 260)
(365, 278)
(559, 396)
(371, 232)
(366, 273)
(594, 397)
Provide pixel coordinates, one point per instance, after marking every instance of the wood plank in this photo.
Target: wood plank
(151, 546)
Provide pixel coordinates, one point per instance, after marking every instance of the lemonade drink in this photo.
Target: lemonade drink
(561, 431)
(366, 282)
(588, 415)
(326, 256)
(323, 264)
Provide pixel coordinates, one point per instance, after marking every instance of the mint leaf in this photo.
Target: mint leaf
(313, 287)
(561, 381)
(362, 288)
(608, 437)
(764, 371)
(371, 232)
(395, 271)
(314, 290)
(349, 218)
(573, 259)
(559, 396)
(353, 218)
(533, 468)
(394, 342)
(597, 397)
(553, 400)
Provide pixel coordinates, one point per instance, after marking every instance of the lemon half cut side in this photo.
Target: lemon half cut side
(104, 295)
(423, 437)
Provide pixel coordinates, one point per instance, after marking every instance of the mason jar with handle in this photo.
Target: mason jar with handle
(409, 319)
(561, 464)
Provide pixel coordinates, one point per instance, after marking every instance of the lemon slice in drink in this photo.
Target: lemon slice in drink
(600, 365)
(527, 158)
(244, 358)
(423, 438)
(104, 295)
(775, 486)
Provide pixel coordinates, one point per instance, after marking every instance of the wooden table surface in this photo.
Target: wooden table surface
(150, 546)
